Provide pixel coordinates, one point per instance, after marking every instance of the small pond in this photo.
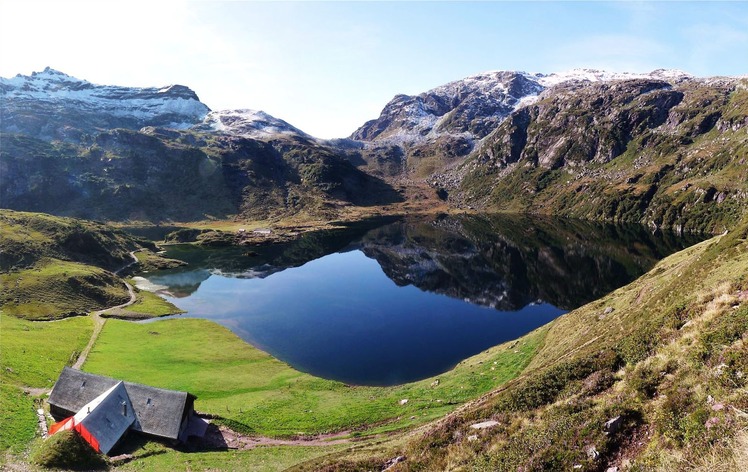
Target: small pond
(389, 302)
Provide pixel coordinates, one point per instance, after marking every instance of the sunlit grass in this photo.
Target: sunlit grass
(259, 394)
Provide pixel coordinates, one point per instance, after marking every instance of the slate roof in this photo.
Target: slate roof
(107, 417)
(158, 411)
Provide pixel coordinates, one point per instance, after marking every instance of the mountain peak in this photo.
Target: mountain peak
(249, 123)
(53, 73)
(59, 100)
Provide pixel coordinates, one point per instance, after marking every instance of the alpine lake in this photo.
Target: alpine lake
(391, 301)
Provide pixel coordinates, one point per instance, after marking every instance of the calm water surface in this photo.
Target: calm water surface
(384, 304)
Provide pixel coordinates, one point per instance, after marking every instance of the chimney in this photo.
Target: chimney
(124, 408)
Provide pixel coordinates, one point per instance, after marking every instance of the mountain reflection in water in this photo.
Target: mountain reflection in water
(382, 304)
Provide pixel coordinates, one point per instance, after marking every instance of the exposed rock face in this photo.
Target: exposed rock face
(437, 129)
(471, 107)
(665, 153)
(54, 105)
(445, 122)
(582, 124)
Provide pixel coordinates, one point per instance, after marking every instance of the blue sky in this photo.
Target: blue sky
(328, 67)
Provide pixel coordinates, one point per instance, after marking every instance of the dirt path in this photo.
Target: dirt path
(99, 321)
(225, 437)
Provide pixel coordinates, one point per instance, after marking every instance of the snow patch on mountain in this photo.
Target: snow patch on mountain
(248, 123)
(177, 102)
(595, 75)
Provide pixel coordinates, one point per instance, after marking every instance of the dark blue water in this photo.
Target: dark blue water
(340, 317)
(405, 301)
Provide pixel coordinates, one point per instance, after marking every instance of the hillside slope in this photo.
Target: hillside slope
(53, 267)
(158, 174)
(648, 151)
(73, 148)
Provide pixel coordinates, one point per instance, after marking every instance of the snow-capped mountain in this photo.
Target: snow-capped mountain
(472, 107)
(52, 104)
(248, 124)
(447, 122)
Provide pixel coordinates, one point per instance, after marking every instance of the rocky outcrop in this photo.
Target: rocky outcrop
(574, 125)
(445, 122)
(437, 129)
(660, 152)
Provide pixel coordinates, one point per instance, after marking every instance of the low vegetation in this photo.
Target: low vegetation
(147, 305)
(34, 353)
(54, 289)
(67, 450)
(17, 418)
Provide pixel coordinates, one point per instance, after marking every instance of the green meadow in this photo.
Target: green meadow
(32, 354)
(256, 394)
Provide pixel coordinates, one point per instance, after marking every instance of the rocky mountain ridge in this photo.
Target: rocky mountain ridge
(53, 105)
(118, 153)
(665, 153)
(584, 143)
(436, 128)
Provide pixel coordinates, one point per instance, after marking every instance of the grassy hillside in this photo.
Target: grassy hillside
(664, 357)
(55, 267)
(28, 237)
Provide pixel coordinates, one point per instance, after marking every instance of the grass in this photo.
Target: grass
(256, 393)
(261, 459)
(147, 305)
(34, 353)
(54, 289)
(17, 418)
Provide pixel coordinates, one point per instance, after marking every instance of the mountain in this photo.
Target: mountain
(667, 153)
(436, 128)
(73, 148)
(248, 124)
(54, 105)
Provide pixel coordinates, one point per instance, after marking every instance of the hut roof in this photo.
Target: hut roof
(157, 411)
(107, 417)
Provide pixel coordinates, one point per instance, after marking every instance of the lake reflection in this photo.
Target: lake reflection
(394, 303)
